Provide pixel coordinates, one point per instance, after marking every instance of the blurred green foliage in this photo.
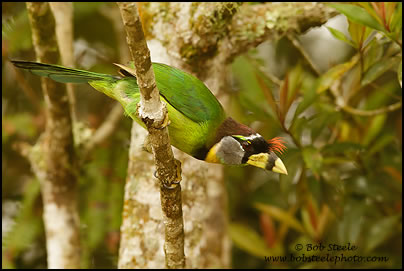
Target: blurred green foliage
(345, 168)
(345, 164)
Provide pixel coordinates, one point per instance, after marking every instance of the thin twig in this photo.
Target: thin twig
(340, 102)
(107, 127)
(300, 48)
(154, 114)
(369, 113)
(271, 76)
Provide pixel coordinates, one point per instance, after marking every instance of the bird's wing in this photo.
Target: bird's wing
(187, 94)
(183, 91)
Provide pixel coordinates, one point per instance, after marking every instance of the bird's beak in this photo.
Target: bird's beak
(279, 167)
(263, 160)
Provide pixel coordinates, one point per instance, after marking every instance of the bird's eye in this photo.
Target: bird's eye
(246, 145)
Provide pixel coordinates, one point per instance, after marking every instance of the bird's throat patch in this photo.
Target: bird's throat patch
(212, 157)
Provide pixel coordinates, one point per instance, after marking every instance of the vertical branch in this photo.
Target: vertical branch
(63, 12)
(154, 114)
(52, 158)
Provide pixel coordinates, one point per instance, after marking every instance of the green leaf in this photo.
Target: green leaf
(380, 144)
(22, 233)
(358, 15)
(22, 124)
(381, 230)
(309, 97)
(351, 225)
(400, 74)
(296, 81)
(375, 127)
(298, 125)
(341, 147)
(251, 96)
(356, 31)
(360, 34)
(280, 215)
(312, 158)
(396, 20)
(321, 121)
(339, 35)
(377, 70)
(249, 240)
(386, 90)
(335, 73)
(294, 162)
(267, 92)
(16, 32)
(307, 222)
(374, 54)
(369, 8)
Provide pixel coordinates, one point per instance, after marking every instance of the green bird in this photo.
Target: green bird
(198, 124)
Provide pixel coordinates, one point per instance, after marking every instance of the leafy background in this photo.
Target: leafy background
(334, 94)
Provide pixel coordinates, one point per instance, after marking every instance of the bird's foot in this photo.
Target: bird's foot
(165, 122)
(175, 182)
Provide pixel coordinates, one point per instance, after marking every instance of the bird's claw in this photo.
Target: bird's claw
(172, 185)
(165, 122)
(178, 178)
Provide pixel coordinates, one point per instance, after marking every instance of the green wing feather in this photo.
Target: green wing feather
(187, 94)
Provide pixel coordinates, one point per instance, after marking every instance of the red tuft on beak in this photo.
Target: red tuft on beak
(276, 145)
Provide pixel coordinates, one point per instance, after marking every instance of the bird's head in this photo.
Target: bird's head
(252, 150)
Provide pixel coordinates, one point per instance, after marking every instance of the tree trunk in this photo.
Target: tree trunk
(53, 158)
(200, 38)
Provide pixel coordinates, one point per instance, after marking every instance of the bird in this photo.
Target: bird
(198, 124)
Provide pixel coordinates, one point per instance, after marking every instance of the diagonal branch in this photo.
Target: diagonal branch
(154, 114)
(340, 102)
(254, 24)
(105, 130)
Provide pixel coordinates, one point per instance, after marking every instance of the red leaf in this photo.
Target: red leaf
(268, 230)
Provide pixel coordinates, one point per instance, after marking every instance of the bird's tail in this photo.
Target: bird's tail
(62, 74)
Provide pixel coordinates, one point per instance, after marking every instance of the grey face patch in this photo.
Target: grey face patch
(230, 151)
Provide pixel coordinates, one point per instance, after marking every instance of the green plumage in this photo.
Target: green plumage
(193, 110)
